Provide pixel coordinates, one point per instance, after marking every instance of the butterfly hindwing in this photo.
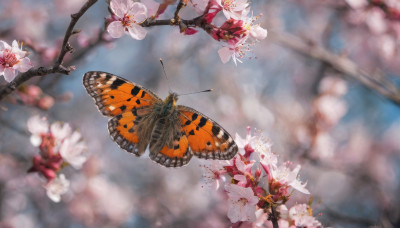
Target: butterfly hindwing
(169, 145)
(114, 95)
(206, 138)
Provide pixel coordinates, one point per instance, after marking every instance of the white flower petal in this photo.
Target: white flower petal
(9, 74)
(258, 33)
(137, 32)
(116, 29)
(57, 187)
(225, 54)
(139, 10)
(37, 125)
(24, 65)
(119, 7)
(152, 7)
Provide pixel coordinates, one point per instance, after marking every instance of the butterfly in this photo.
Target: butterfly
(140, 118)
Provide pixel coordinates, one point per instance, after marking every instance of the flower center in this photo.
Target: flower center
(228, 4)
(127, 20)
(9, 59)
(242, 202)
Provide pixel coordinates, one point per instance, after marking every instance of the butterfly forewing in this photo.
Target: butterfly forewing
(113, 95)
(207, 139)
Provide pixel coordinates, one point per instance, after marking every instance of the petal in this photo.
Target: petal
(227, 14)
(36, 140)
(258, 33)
(137, 32)
(225, 54)
(116, 29)
(152, 7)
(24, 65)
(9, 74)
(119, 7)
(4, 45)
(139, 10)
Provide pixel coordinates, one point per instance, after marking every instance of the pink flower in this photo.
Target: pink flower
(232, 8)
(302, 217)
(254, 30)
(37, 126)
(234, 51)
(152, 7)
(57, 187)
(72, 149)
(286, 177)
(128, 15)
(12, 59)
(242, 203)
(213, 173)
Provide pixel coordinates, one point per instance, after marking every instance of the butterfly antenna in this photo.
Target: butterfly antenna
(165, 74)
(203, 91)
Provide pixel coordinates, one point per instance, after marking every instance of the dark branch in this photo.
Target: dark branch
(57, 67)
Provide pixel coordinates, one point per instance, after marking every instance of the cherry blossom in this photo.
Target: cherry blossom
(232, 8)
(242, 203)
(286, 177)
(213, 174)
(234, 51)
(254, 30)
(152, 7)
(72, 150)
(57, 187)
(37, 126)
(301, 216)
(128, 15)
(12, 59)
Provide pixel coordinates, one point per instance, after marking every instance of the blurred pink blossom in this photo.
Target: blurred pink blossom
(232, 8)
(12, 59)
(242, 203)
(152, 7)
(127, 18)
(301, 216)
(57, 187)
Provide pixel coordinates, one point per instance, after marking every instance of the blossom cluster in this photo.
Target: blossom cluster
(12, 59)
(382, 18)
(59, 147)
(256, 184)
(238, 33)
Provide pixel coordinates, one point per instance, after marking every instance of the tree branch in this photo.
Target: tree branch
(57, 67)
(375, 82)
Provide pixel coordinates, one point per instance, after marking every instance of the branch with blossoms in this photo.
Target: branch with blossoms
(59, 147)
(344, 65)
(238, 33)
(15, 59)
(258, 188)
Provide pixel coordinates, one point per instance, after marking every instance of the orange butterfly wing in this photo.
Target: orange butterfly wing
(123, 100)
(207, 139)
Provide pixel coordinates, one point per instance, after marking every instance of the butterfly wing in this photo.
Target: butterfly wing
(169, 145)
(114, 95)
(127, 103)
(207, 139)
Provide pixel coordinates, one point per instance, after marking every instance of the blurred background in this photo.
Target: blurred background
(323, 87)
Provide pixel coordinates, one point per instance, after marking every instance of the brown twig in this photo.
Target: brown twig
(342, 64)
(273, 216)
(57, 66)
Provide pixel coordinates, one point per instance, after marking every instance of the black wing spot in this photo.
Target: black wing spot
(203, 122)
(215, 130)
(112, 97)
(129, 99)
(108, 77)
(123, 107)
(131, 130)
(194, 116)
(134, 111)
(197, 128)
(116, 83)
(191, 132)
(208, 143)
(135, 91)
(137, 101)
(188, 122)
(176, 147)
(225, 136)
(125, 126)
(143, 94)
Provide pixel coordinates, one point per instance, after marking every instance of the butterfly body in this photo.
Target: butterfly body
(140, 118)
